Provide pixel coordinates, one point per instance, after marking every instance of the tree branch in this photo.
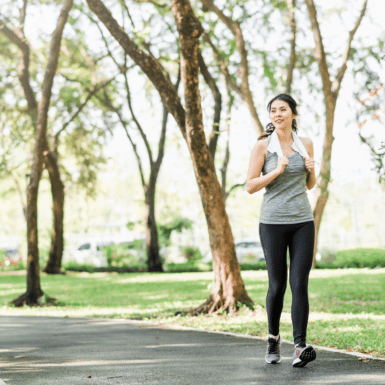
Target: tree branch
(91, 93)
(17, 37)
(213, 139)
(243, 72)
(136, 121)
(162, 138)
(147, 63)
(293, 31)
(110, 105)
(320, 54)
(337, 81)
(223, 64)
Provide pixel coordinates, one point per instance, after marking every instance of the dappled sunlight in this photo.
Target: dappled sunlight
(165, 277)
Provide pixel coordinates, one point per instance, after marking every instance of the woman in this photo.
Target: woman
(287, 166)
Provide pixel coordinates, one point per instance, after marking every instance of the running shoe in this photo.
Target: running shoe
(273, 352)
(302, 355)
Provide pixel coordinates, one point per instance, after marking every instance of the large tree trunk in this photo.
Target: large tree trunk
(34, 292)
(57, 189)
(228, 289)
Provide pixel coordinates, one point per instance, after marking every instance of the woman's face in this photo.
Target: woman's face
(281, 115)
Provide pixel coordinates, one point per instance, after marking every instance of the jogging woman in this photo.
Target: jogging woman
(286, 221)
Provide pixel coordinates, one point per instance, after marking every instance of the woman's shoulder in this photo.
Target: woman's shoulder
(307, 142)
(261, 145)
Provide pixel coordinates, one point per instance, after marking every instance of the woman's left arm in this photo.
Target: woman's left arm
(309, 163)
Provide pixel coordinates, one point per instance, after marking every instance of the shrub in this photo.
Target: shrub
(356, 258)
(123, 256)
(259, 265)
(191, 253)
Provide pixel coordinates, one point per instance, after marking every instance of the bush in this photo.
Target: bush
(356, 258)
(191, 253)
(259, 265)
(124, 255)
(188, 267)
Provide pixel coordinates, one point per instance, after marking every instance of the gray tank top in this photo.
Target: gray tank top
(285, 200)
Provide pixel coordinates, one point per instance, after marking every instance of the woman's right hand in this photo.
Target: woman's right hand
(283, 161)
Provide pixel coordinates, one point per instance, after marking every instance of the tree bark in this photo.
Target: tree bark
(154, 263)
(293, 57)
(214, 135)
(57, 189)
(331, 92)
(228, 289)
(34, 292)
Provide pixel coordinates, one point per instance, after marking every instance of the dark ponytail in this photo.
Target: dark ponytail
(293, 106)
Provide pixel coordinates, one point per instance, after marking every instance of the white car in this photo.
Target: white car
(248, 250)
(91, 253)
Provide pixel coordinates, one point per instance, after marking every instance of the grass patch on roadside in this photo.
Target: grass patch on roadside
(347, 306)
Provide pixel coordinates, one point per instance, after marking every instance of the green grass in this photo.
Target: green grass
(347, 305)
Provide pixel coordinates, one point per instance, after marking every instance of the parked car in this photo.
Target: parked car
(248, 250)
(9, 256)
(91, 253)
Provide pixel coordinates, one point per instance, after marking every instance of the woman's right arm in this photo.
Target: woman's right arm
(255, 181)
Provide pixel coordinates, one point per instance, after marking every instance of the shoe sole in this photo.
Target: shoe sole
(306, 356)
(273, 362)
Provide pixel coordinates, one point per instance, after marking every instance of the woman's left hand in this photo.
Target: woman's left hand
(309, 164)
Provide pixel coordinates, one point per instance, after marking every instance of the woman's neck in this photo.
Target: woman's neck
(284, 135)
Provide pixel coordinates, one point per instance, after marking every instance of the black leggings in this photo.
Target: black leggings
(275, 240)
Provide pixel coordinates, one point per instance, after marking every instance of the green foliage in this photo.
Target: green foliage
(354, 258)
(188, 267)
(177, 223)
(259, 265)
(126, 255)
(191, 253)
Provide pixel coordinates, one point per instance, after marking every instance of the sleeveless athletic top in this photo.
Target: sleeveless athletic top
(285, 199)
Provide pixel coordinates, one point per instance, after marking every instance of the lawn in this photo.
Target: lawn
(347, 305)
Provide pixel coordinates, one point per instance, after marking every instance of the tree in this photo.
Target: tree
(68, 102)
(331, 89)
(17, 36)
(34, 293)
(228, 289)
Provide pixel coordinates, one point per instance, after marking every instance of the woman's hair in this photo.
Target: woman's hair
(293, 106)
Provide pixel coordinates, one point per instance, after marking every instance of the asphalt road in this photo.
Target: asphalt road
(44, 350)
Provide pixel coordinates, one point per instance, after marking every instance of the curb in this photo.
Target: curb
(178, 327)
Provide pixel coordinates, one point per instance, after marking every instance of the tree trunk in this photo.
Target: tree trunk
(331, 92)
(214, 135)
(293, 57)
(34, 293)
(154, 262)
(228, 288)
(57, 189)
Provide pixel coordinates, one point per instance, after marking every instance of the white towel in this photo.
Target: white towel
(275, 145)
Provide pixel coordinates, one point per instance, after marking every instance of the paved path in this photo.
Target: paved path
(69, 351)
